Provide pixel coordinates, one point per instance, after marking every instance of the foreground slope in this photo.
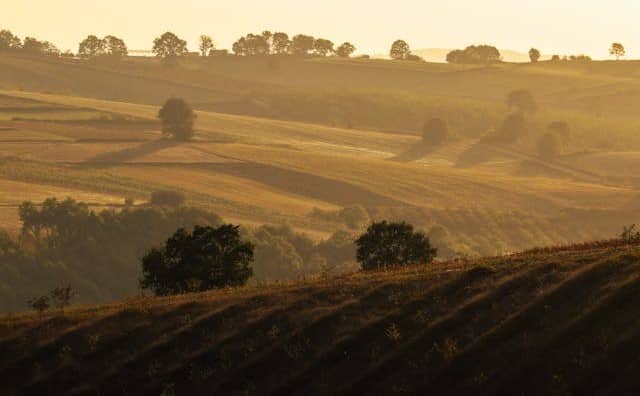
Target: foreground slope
(552, 321)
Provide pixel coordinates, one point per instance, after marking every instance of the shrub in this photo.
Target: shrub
(386, 245)
(207, 258)
(512, 129)
(549, 146)
(167, 198)
(435, 131)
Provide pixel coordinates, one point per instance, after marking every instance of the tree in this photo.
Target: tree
(280, 43)
(301, 44)
(8, 41)
(206, 45)
(523, 100)
(345, 50)
(36, 47)
(386, 245)
(169, 47)
(549, 146)
(115, 47)
(617, 50)
(475, 54)
(205, 259)
(323, 47)
(534, 55)
(177, 119)
(399, 50)
(435, 131)
(251, 45)
(91, 47)
(555, 58)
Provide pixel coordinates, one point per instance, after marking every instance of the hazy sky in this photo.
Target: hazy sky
(553, 26)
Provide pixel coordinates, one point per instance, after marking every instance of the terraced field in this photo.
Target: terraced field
(552, 321)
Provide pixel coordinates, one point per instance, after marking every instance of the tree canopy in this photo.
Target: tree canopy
(207, 258)
(177, 119)
(475, 54)
(386, 245)
(399, 50)
(345, 50)
(534, 55)
(169, 46)
(617, 50)
(206, 45)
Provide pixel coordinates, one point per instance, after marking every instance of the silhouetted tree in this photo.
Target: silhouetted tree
(8, 41)
(280, 43)
(534, 55)
(34, 46)
(523, 100)
(91, 47)
(399, 50)
(435, 131)
(177, 119)
(549, 146)
(207, 258)
(169, 47)
(115, 47)
(206, 45)
(323, 47)
(250, 45)
(301, 44)
(386, 245)
(617, 50)
(475, 54)
(345, 50)
(555, 58)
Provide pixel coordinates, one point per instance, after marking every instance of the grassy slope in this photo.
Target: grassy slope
(551, 321)
(255, 169)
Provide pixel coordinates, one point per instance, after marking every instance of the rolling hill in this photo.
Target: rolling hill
(550, 321)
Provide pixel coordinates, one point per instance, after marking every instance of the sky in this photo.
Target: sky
(553, 26)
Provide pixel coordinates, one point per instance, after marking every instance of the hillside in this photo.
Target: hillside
(550, 321)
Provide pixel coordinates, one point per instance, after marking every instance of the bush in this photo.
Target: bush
(512, 129)
(549, 146)
(208, 258)
(168, 198)
(435, 131)
(386, 245)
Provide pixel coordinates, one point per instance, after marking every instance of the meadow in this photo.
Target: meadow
(301, 142)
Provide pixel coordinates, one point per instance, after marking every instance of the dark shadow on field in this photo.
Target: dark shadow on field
(291, 181)
(415, 152)
(306, 184)
(128, 154)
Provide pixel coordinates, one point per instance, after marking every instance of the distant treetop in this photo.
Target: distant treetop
(475, 54)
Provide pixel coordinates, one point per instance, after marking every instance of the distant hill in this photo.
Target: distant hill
(440, 55)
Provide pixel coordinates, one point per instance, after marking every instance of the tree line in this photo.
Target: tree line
(169, 46)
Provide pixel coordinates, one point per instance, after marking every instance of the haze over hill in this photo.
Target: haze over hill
(310, 220)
